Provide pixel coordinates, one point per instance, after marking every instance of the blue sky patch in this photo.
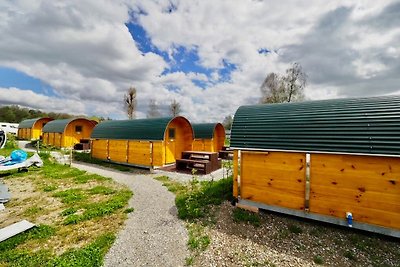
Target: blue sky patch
(264, 51)
(13, 78)
(182, 59)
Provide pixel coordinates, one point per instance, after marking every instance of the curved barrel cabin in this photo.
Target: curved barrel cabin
(208, 137)
(336, 161)
(68, 132)
(142, 142)
(31, 129)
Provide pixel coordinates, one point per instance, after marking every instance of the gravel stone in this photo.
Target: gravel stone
(152, 235)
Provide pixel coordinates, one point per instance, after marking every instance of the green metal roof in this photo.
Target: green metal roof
(204, 130)
(364, 125)
(138, 129)
(27, 123)
(58, 126)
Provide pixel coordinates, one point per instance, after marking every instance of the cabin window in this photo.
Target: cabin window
(171, 133)
(78, 129)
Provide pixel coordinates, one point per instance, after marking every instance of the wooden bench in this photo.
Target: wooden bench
(204, 162)
(226, 153)
(203, 166)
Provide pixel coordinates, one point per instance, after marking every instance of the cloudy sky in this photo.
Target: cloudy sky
(81, 56)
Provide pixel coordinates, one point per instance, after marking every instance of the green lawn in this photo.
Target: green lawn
(77, 215)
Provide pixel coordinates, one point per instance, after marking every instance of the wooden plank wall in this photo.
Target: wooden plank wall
(198, 145)
(139, 152)
(219, 138)
(100, 149)
(134, 152)
(158, 153)
(366, 186)
(117, 150)
(273, 178)
(58, 140)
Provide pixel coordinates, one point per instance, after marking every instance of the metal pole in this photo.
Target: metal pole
(70, 157)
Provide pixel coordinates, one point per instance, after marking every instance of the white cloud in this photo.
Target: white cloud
(30, 99)
(84, 51)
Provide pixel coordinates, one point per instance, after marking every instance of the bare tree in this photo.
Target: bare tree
(286, 88)
(295, 81)
(175, 108)
(153, 111)
(228, 120)
(272, 89)
(130, 103)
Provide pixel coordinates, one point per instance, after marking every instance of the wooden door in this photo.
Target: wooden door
(170, 151)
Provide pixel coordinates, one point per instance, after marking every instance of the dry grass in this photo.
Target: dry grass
(77, 213)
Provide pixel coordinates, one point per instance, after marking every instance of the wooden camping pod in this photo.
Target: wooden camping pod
(32, 129)
(142, 142)
(68, 132)
(208, 137)
(336, 161)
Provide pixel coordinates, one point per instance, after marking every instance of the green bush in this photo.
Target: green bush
(241, 215)
(11, 142)
(194, 202)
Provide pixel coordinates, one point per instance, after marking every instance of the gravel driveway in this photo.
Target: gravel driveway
(152, 235)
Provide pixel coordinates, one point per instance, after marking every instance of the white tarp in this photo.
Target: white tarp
(14, 229)
(35, 160)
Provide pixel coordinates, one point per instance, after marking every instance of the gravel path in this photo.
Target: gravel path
(152, 235)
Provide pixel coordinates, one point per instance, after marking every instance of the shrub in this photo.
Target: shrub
(194, 202)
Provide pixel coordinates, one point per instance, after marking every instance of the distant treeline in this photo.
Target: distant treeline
(15, 114)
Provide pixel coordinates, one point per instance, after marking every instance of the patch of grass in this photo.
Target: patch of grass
(198, 240)
(189, 261)
(241, 215)
(172, 186)
(101, 190)
(25, 258)
(69, 211)
(11, 142)
(72, 172)
(129, 210)
(32, 211)
(55, 171)
(37, 233)
(71, 196)
(318, 260)
(87, 157)
(90, 255)
(44, 155)
(283, 233)
(316, 231)
(295, 229)
(362, 243)
(95, 210)
(194, 202)
(49, 188)
(100, 202)
(350, 255)
(82, 179)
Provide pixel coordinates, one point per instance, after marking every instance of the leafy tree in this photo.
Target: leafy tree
(15, 114)
(153, 111)
(175, 108)
(284, 88)
(130, 103)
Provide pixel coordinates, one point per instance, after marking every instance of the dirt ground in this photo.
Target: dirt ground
(289, 241)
